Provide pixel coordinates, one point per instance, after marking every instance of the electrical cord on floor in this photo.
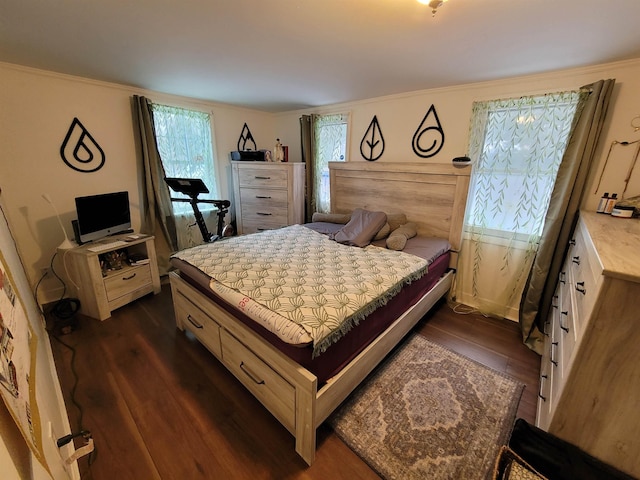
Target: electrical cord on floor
(64, 312)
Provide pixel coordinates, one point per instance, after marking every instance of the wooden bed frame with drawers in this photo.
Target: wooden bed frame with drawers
(431, 195)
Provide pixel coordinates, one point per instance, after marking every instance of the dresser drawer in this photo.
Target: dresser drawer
(585, 278)
(257, 198)
(270, 388)
(545, 398)
(190, 317)
(263, 177)
(126, 282)
(263, 218)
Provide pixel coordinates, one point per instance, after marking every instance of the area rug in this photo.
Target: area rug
(429, 413)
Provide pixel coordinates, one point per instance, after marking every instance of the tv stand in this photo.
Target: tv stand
(101, 291)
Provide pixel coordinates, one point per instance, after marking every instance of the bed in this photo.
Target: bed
(302, 382)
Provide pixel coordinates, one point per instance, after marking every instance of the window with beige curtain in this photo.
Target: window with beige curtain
(184, 139)
(516, 146)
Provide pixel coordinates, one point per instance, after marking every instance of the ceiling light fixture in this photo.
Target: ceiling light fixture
(433, 4)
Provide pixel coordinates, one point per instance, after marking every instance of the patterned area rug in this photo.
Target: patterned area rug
(429, 413)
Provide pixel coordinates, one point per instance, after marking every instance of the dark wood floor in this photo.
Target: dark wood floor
(159, 405)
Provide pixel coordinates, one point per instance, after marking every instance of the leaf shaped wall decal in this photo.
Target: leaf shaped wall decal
(372, 144)
(245, 136)
(429, 137)
(80, 151)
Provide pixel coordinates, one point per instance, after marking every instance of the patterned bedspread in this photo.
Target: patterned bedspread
(301, 285)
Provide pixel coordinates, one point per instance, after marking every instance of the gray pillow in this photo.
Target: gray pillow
(362, 227)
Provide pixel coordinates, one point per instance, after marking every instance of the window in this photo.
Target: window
(330, 135)
(517, 146)
(185, 145)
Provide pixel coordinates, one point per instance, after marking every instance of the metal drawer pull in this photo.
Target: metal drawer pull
(572, 242)
(262, 196)
(250, 375)
(129, 278)
(562, 327)
(544, 399)
(576, 260)
(193, 322)
(552, 360)
(580, 288)
(263, 178)
(264, 214)
(546, 325)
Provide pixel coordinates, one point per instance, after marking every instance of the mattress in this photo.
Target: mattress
(434, 250)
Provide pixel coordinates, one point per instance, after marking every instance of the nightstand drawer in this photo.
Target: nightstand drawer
(130, 279)
(263, 177)
(269, 387)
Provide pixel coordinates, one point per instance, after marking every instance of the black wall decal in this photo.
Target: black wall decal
(429, 137)
(245, 136)
(372, 144)
(80, 151)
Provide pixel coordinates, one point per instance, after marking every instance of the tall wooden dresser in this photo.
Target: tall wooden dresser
(590, 372)
(268, 195)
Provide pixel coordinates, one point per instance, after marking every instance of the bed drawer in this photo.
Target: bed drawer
(190, 317)
(271, 389)
(263, 177)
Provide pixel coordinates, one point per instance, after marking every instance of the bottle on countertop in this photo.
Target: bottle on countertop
(603, 203)
(611, 203)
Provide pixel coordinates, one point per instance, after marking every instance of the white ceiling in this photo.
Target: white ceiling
(280, 55)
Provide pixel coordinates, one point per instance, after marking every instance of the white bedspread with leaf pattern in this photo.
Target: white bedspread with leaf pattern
(299, 284)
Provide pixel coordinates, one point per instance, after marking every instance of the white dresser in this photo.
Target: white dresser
(590, 373)
(268, 195)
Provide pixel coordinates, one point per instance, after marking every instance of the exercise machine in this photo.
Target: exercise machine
(192, 187)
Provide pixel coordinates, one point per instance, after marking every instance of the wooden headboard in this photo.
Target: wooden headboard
(434, 196)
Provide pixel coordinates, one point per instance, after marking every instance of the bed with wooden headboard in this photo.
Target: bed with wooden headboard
(433, 196)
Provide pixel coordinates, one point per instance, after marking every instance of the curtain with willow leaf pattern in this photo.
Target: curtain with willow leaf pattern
(562, 214)
(184, 142)
(516, 146)
(329, 145)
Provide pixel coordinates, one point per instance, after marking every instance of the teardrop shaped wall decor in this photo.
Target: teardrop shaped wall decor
(372, 144)
(429, 137)
(80, 151)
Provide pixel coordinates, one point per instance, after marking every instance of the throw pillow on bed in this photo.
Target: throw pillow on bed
(398, 238)
(331, 217)
(362, 227)
(395, 220)
(383, 232)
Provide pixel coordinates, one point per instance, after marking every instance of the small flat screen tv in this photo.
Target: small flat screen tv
(102, 215)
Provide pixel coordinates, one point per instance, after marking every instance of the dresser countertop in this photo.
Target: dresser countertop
(617, 241)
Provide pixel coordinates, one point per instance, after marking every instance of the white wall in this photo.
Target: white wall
(400, 115)
(37, 110)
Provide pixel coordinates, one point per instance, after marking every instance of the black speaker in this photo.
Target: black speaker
(76, 231)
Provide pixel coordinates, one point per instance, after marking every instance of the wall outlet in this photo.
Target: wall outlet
(64, 452)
